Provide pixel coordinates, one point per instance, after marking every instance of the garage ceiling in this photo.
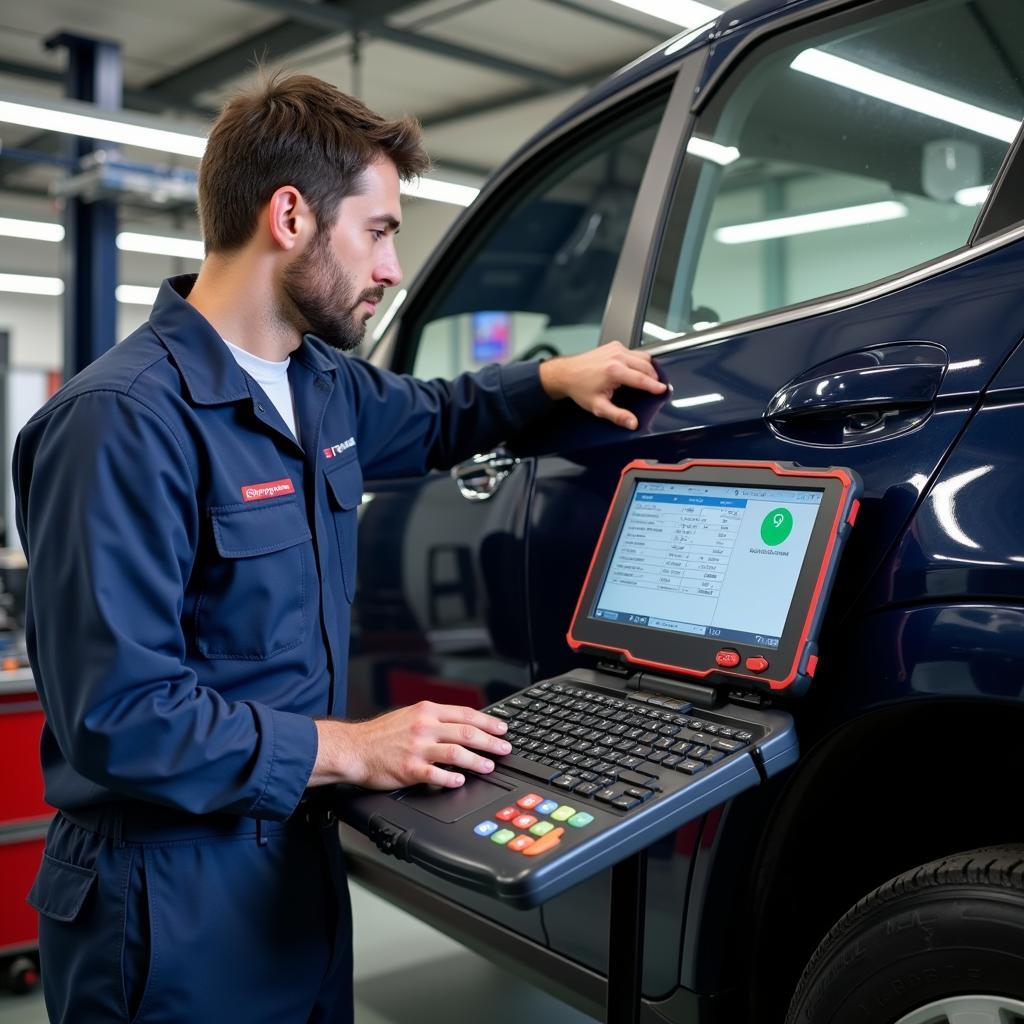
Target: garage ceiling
(482, 75)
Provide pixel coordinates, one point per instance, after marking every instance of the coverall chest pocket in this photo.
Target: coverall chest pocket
(345, 487)
(252, 601)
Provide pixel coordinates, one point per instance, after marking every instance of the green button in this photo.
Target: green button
(581, 819)
(564, 813)
(542, 828)
(776, 526)
(502, 836)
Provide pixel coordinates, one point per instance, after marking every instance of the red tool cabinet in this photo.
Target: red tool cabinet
(24, 817)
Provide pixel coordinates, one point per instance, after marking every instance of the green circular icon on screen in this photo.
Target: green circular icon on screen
(776, 526)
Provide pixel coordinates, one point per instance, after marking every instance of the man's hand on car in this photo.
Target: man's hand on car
(590, 379)
(407, 746)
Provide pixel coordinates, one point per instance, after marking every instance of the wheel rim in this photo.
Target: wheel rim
(968, 1010)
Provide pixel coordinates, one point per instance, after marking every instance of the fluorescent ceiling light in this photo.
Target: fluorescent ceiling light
(676, 12)
(135, 295)
(26, 284)
(29, 284)
(913, 97)
(805, 223)
(385, 320)
(37, 230)
(972, 196)
(659, 333)
(160, 245)
(712, 151)
(686, 403)
(73, 118)
(440, 191)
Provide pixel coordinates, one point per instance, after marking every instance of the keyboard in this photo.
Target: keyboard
(614, 750)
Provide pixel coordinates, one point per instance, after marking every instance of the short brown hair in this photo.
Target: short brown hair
(294, 130)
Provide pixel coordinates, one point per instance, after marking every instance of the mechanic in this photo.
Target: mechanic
(188, 508)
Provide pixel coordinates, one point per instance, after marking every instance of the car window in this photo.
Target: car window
(836, 157)
(536, 282)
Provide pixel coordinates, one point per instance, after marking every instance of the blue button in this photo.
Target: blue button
(547, 807)
(485, 828)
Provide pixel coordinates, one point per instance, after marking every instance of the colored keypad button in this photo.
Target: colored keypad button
(486, 828)
(580, 819)
(520, 843)
(529, 801)
(502, 836)
(547, 807)
(542, 828)
(563, 813)
(524, 821)
(506, 814)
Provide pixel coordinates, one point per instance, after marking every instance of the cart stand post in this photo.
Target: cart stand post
(626, 940)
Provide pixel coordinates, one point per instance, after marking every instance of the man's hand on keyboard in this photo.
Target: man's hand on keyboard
(408, 746)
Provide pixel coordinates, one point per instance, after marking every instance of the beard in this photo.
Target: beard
(318, 297)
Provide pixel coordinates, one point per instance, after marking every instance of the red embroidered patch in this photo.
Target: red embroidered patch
(270, 489)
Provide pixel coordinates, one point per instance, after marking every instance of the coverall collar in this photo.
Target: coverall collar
(207, 366)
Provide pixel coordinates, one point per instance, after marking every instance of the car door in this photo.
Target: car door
(806, 267)
(441, 606)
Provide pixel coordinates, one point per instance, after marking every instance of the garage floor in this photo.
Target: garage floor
(441, 980)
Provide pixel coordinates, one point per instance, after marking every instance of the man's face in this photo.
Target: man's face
(333, 287)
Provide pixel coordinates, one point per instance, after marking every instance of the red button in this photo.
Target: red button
(727, 659)
(507, 814)
(520, 843)
(757, 664)
(529, 801)
(524, 821)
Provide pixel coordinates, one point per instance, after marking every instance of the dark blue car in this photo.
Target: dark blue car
(812, 215)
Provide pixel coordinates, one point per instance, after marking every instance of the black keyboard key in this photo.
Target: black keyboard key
(603, 781)
(671, 761)
(681, 748)
(665, 743)
(514, 762)
(648, 737)
(710, 727)
(689, 766)
(588, 776)
(658, 756)
(727, 745)
(640, 750)
(631, 761)
(587, 789)
(695, 725)
(744, 737)
(638, 793)
(668, 729)
(608, 794)
(519, 702)
(566, 781)
(625, 803)
(501, 711)
(711, 756)
(637, 779)
(725, 732)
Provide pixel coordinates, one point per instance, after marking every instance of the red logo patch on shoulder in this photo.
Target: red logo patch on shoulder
(270, 489)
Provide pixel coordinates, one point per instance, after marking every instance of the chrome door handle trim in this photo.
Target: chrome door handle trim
(480, 477)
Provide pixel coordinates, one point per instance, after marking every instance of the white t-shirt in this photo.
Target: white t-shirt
(273, 378)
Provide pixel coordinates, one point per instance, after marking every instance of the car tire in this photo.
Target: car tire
(939, 944)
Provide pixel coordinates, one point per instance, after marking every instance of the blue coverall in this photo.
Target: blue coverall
(191, 572)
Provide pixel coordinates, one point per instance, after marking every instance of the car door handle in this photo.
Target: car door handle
(480, 477)
(863, 388)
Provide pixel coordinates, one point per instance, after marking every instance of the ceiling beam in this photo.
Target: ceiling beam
(503, 102)
(328, 17)
(270, 44)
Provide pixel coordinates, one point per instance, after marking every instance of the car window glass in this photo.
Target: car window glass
(833, 158)
(536, 283)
